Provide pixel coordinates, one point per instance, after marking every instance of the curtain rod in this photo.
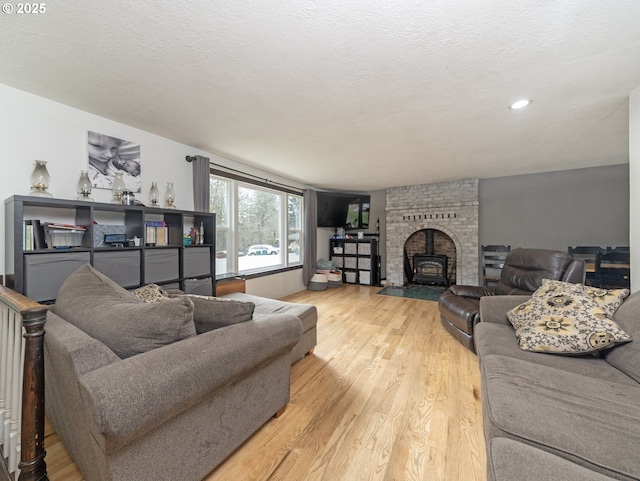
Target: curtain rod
(267, 181)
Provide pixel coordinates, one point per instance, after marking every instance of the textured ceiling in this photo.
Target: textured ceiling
(358, 95)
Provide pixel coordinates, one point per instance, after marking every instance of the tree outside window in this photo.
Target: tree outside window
(219, 203)
(294, 228)
(257, 228)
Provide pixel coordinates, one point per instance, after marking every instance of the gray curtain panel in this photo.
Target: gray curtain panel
(201, 183)
(310, 235)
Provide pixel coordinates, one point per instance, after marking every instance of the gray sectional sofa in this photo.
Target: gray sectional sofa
(136, 394)
(307, 313)
(555, 417)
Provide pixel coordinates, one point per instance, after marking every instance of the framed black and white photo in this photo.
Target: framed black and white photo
(110, 155)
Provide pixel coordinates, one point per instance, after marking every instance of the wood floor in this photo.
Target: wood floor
(387, 395)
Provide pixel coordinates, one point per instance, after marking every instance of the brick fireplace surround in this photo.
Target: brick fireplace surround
(450, 207)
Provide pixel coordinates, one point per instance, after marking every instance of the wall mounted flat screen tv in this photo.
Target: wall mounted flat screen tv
(332, 209)
(338, 209)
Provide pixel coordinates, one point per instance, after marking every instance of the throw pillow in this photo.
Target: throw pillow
(565, 318)
(151, 293)
(109, 313)
(215, 312)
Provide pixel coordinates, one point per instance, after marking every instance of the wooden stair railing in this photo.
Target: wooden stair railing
(30, 433)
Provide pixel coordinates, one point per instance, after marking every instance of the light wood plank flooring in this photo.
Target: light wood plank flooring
(387, 395)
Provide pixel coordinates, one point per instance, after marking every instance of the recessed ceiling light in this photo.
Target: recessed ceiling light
(519, 104)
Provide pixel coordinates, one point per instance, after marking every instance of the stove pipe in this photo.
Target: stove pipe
(430, 243)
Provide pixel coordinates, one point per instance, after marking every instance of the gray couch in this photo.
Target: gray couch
(307, 313)
(173, 411)
(558, 417)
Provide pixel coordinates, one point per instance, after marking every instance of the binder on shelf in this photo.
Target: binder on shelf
(39, 241)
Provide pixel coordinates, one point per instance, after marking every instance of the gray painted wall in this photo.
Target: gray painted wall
(554, 210)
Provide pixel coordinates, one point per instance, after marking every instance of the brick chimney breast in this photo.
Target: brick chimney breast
(448, 207)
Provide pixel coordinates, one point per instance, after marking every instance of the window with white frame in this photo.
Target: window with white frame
(294, 229)
(219, 202)
(258, 228)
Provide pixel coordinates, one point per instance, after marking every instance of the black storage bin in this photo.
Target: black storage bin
(161, 265)
(121, 266)
(197, 261)
(202, 287)
(45, 273)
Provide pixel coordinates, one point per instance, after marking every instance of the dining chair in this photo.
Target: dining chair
(618, 249)
(588, 255)
(613, 270)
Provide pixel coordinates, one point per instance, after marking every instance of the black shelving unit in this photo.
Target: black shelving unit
(357, 258)
(39, 273)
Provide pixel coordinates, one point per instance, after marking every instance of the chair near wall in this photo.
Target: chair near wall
(612, 270)
(588, 255)
(493, 257)
(618, 249)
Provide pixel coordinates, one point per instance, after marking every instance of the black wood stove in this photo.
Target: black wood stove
(430, 268)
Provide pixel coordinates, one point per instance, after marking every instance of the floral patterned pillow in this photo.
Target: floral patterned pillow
(151, 293)
(564, 318)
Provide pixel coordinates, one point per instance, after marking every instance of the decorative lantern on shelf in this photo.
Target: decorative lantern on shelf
(118, 188)
(169, 197)
(40, 180)
(154, 195)
(84, 187)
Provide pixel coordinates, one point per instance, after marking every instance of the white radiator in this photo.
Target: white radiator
(12, 346)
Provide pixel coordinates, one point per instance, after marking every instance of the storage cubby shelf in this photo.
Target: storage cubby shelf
(357, 258)
(39, 273)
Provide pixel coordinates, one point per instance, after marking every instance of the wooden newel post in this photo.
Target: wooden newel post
(32, 465)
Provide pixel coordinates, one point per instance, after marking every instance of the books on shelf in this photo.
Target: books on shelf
(33, 235)
(38, 235)
(157, 233)
(27, 235)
